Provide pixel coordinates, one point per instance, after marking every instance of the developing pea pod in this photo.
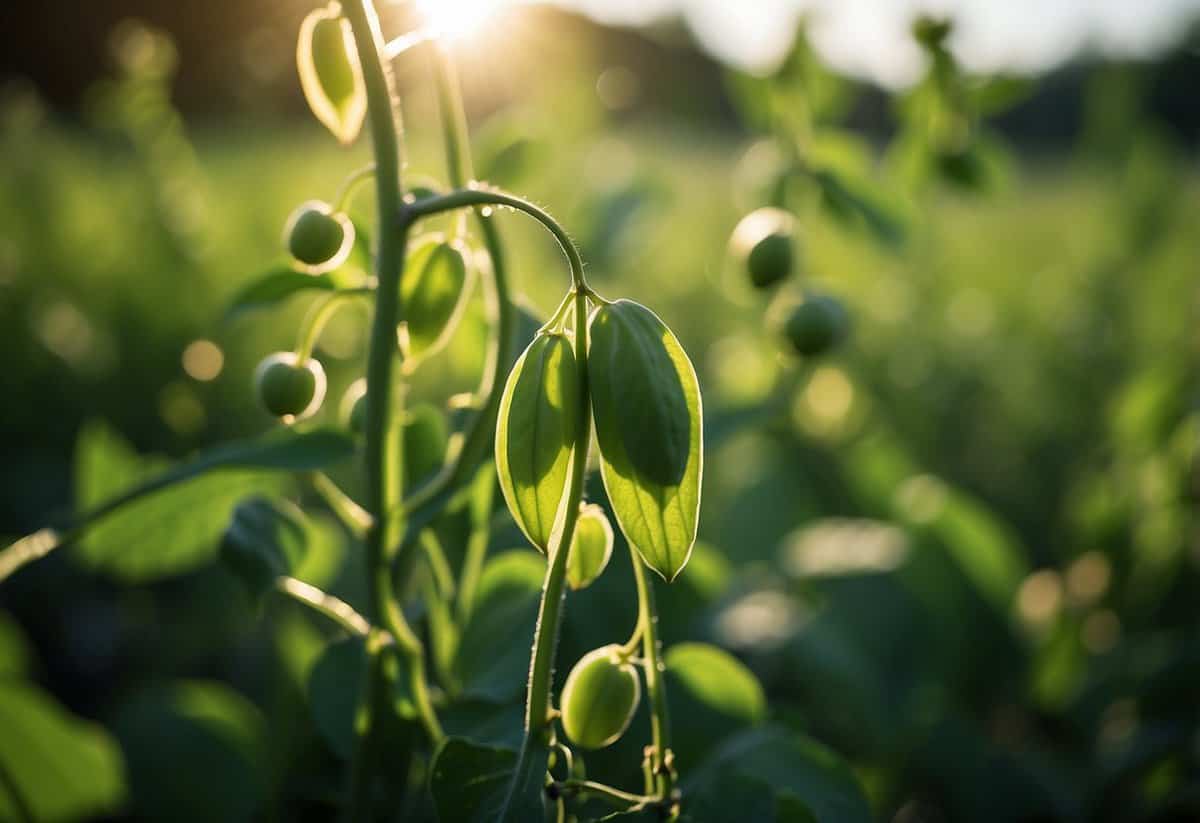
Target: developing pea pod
(646, 403)
(433, 294)
(535, 434)
(591, 547)
(599, 698)
(330, 73)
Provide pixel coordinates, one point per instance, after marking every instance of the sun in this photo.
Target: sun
(458, 19)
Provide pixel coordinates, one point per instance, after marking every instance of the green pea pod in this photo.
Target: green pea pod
(591, 547)
(646, 403)
(433, 294)
(535, 434)
(330, 74)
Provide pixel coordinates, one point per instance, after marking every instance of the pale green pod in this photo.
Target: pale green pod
(536, 429)
(330, 74)
(591, 547)
(647, 408)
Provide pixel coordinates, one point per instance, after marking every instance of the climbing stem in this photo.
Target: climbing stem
(660, 725)
(538, 709)
(383, 453)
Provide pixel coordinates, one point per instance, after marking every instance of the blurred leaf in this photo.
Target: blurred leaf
(196, 751)
(267, 538)
(999, 93)
(425, 442)
(175, 525)
(793, 763)
(470, 782)
(330, 73)
(334, 687)
(851, 203)
(732, 797)
(63, 768)
(14, 649)
(493, 654)
(437, 281)
(716, 693)
(274, 286)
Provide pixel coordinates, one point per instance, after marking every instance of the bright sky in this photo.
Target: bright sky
(870, 37)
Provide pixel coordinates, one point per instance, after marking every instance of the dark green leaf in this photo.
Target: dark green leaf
(789, 762)
(335, 685)
(63, 768)
(266, 539)
(195, 752)
(470, 783)
(716, 693)
(275, 286)
(493, 653)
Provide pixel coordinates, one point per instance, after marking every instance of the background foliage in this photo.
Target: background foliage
(961, 553)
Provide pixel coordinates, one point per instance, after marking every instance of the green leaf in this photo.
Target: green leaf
(14, 648)
(733, 797)
(330, 74)
(716, 693)
(852, 203)
(470, 783)
(493, 653)
(646, 403)
(433, 293)
(62, 768)
(591, 547)
(790, 763)
(266, 539)
(275, 286)
(425, 441)
(535, 435)
(335, 688)
(171, 522)
(196, 751)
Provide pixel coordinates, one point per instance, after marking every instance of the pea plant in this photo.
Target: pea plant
(611, 362)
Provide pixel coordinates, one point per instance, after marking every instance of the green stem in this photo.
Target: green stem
(350, 185)
(353, 516)
(538, 716)
(384, 456)
(621, 799)
(464, 198)
(337, 610)
(660, 725)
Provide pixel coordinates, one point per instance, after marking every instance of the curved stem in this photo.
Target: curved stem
(620, 798)
(478, 196)
(353, 516)
(320, 314)
(660, 725)
(337, 610)
(350, 185)
(538, 715)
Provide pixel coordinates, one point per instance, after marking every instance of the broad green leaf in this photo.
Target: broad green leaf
(591, 547)
(646, 403)
(266, 539)
(493, 653)
(470, 783)
(425, 441)
(171, 521)
(62, 768)
(790, 763)
(195, 751)
(433, 294)
(716, 693)
(330, 74)
(732, 797)
(535, 435)
(275, 286)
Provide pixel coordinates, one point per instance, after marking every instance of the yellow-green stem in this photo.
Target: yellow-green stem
(660, 722)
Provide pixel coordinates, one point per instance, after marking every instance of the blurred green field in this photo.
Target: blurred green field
(961, 551)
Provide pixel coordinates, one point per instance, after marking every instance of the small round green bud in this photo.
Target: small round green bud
(288, 388)
(317, 237)
(764, 242)
(816, 325)
(599, 698)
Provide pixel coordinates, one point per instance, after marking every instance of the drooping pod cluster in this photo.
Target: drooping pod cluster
(644, 398)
